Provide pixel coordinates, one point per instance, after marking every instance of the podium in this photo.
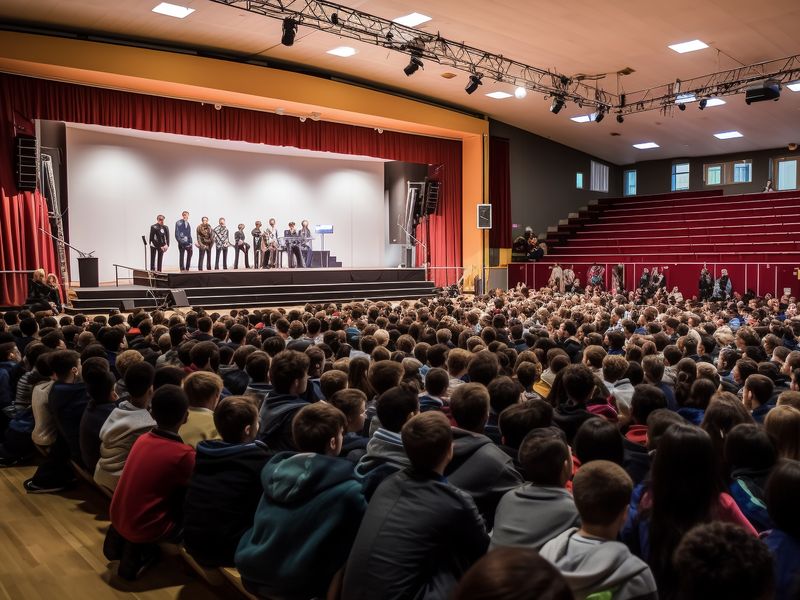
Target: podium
(88, 272)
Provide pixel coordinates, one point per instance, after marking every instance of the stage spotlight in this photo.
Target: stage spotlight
(413, 65)
(474, 82)
(557, 105)
(620, 119)
(520, 92)
(702, 104)
(599, 116)
(335, 19)
(681, 107)
(289, 31)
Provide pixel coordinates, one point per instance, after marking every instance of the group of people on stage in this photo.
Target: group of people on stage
(43, 293)
(267, 243)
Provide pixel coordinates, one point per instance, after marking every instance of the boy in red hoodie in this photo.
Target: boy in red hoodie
(146, 507)
(646, 399)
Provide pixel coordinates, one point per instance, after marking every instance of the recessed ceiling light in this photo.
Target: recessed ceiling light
(688, 46)
(449, 75)
(173, 10)
(684, 98)
(412, 20)
(343, 51)
(499, 95)
(794, 86)
(583, 118)
(728, 135)
(646, 145)
(714, 102)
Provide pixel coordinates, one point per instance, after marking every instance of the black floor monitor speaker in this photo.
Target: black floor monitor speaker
(178, 298)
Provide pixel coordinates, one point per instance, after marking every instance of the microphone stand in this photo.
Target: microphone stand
(60, 241)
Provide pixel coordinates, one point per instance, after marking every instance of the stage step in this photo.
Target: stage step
(280, 293)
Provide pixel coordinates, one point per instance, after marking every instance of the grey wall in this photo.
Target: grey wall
(543, 178)
(655, 176)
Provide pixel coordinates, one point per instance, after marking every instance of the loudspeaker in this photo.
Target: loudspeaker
(178, 298)
(127, 305)
(484, 216)
(25, 162)
(431, 196)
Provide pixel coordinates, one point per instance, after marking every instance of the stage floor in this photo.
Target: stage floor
(254, 288)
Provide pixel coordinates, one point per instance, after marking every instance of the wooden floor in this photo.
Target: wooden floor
(51, 548)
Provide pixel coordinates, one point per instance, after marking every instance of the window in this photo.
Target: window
(727, 173)
(599, 181)
(629, 183)
(579, 180)
(680, 177)
(787, 174)
(742, 172)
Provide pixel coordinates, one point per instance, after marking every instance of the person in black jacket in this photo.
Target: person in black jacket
(159, 242)
(420, 534)
(225, 483)
(478, 467)
(39, 293)
(288, 374)
(579, 385)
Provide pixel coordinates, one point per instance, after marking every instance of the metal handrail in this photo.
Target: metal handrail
(14, 272)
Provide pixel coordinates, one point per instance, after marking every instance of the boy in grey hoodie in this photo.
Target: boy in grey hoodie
(589, 557)
(536, 512)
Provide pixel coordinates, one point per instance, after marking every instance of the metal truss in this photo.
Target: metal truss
(364, 27)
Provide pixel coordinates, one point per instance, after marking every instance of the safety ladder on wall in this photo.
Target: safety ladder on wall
(55, 216)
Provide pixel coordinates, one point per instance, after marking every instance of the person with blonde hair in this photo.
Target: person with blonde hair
(38, 299)
(783, 425)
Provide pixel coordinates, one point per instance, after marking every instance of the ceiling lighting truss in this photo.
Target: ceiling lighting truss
(349, 23)
(364, 27)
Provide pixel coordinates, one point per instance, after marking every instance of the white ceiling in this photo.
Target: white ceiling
(581, 36)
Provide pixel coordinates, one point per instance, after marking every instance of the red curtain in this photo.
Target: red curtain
(23, 247)
(43, 99)
(500, 192)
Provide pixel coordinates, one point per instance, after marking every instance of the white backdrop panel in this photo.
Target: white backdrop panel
(119, 183)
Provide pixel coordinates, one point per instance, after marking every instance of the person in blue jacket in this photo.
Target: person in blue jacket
(183, 235)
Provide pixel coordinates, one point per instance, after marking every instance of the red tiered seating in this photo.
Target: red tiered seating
(755, 236)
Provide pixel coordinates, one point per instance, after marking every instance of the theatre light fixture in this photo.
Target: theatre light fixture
(413, 66)
(289, 31)
(557, 104)
(599, 116)
(520, 92)
(620, 119)
(474, 82)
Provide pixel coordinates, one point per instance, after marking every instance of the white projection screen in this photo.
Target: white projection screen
(118, 181)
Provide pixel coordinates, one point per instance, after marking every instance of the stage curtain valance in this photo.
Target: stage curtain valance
(500, 192)
(22, 248)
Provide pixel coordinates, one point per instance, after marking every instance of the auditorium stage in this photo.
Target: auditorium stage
(253, 288)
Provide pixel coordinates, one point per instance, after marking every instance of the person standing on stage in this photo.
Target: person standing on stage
(222, 240)
(241, 246)
(269, 245)
(257, 251)
(183, 235)
(159, 242)
(205, 239)
(292, 241)
(305, 243)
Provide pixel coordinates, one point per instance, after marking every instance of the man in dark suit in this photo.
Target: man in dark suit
(183, 234)
(292, 241)
(159, 242)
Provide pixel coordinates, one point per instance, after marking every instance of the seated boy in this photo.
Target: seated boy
(288, 373)
(385, 452)
(102, 401)
(503, 392)
(203, 390)
(66, 403)
(519, 420)
(353, 403)
(130, 419)
(419, 534)
(534, 513)
(478, 467)
(436, 383)
(147, 504)
(308, 515)
(589, 557)
(331, 382)
(226, 483)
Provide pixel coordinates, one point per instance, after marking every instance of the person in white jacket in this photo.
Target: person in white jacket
(124, 425)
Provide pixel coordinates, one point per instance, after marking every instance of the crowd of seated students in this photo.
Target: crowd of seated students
(516, 445)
